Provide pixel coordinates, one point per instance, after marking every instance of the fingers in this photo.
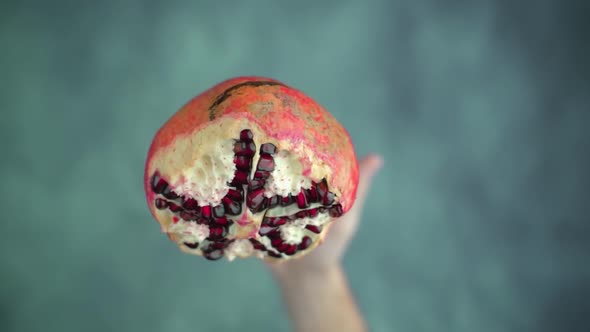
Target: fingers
(368, 167)
(343, 231)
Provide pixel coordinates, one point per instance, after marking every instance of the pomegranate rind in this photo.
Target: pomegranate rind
(277, 114)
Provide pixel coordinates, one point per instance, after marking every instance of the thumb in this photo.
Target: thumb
(368, 167)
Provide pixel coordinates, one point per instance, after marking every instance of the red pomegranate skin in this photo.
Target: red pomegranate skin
(282, 115)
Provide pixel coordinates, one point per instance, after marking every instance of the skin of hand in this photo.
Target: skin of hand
(315, 288)
(330, 253)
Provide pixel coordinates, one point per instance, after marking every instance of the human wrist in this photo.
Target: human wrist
(293, 273)
(319, 299)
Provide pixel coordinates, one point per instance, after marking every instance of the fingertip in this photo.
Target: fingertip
(378, 161)
(371, 163)
(368, 167)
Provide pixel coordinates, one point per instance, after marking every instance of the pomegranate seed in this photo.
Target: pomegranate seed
(219, 244)
(161, 204)
(287, 200)
(188, 216)
(274, 221)
(219, 211)
(257, 244)
(251, 147)
(276, 242)
(214, 255)
(247, 149)
(291, 250)
(202, 221)
(311, 195)
(273, 201)
(161, 187)
(283, 247)
(243, 163)
(174, 208)
(335, 211)
(158, 184)
(265, 230)
(323, 194)
(314, 228)
(328, 199)
(240, 178)
(223, 221)
(255, 199)
(273, 234)
(235, 195)
(190, 204)
(300, 214)
(322, 188)
(268, 148)
(206, 211)
(302, 201)
(239, 147)
(216, 232)
(169, 193)
(155, 180)
(261, 175)
(305, 243)
(246, 135)
(256, 184)
(191, 245)
(274, 254)
(231, 207)
(312, 213)
(265, 163)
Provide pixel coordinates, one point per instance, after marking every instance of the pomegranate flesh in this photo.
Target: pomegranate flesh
(250, 167)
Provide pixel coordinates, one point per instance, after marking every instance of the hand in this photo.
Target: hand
(329, 254)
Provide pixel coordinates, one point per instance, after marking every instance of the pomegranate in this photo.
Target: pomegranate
(251, 167)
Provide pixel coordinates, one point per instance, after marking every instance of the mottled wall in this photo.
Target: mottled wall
(479, 221)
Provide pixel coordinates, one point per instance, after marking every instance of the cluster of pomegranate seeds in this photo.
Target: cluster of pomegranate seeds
(216, 217)
(280, 245)
(215, 249)
(270, 226)
(187, 209)
(255, 200)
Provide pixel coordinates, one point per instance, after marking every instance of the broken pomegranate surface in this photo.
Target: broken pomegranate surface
(250, 167)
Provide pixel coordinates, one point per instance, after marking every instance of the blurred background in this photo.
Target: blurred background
(478, 222)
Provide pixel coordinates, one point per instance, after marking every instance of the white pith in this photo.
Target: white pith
(189, 232)
(266, 241)
(239, 248)
(287, 176)
(205, 180)
(294, 231)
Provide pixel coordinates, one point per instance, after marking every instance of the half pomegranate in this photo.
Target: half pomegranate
(250, 167)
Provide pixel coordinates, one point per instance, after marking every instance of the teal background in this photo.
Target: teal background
(478, 222)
